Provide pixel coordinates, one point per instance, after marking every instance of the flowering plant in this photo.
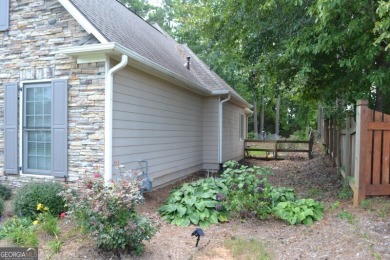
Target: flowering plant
(107, 210)
(46, 220)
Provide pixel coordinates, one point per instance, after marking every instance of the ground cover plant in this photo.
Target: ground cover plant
(19, 231)
(200, 203)
(304, 211)
(23, 231)
(244, 192)
(107, 211)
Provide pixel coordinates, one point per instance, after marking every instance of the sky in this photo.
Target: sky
(155, 2)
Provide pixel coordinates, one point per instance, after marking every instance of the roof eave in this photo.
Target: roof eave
(235, 97)
(99, 52)
(83, 21)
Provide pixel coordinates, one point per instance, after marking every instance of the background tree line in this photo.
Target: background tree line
(304, 52)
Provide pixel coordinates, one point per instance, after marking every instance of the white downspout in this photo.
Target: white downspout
(108, 111)
(220, 125)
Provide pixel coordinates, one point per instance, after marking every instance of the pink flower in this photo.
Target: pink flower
(96, 175)
(62, 215)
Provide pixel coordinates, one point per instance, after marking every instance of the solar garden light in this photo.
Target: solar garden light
(198, 233)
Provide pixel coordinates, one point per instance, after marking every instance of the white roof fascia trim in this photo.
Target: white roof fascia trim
(87, 49)
(80, 18)
(220, 92)
(116, 48)
(235, 96)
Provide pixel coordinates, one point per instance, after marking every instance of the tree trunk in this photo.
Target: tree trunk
(255, 123)
(277, 117)
(262, 115)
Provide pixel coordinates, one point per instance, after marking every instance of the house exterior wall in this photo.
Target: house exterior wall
(29, 51)
(159, 122)
(232, 145)
(210, 133)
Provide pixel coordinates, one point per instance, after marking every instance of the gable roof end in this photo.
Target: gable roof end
(111, 22)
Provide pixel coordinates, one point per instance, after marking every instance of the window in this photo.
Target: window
(4, 15)
(242, 127)
(39, 144)
(37, 128)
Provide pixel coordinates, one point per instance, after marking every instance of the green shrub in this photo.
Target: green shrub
(199, 203)
(304, 211)
(108, 212)
(19, 231)
(249, 190)
(29, 196)
(5, 192)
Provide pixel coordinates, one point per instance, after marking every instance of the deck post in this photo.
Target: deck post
(361, 151)
(276, 150)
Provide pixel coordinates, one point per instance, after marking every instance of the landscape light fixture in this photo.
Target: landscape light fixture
(198, 233)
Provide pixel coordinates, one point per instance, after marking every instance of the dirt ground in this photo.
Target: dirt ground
(363, 233)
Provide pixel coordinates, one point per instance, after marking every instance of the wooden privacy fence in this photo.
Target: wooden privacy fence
(361, 150)
(276, 147)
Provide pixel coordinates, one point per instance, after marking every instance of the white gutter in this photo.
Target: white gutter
(220, 125)
(108, 111)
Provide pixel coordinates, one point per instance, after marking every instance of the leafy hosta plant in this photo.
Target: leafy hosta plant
(281, 194)
(199, 203)
(303, 211)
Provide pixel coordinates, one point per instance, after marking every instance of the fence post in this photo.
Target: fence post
(311, 141)
(334, 142)
(330, 147)
(337, 146)
(347, 146)
(326, 134)
(361, 151)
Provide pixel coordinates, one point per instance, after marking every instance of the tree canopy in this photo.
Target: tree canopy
(306, 51)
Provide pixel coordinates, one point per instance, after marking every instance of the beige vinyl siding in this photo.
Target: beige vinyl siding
(210, 133)
(232, 146)
(158, 122)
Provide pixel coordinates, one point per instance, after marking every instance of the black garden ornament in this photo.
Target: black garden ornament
(198, 233)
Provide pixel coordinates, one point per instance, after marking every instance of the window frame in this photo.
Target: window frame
(23, 170)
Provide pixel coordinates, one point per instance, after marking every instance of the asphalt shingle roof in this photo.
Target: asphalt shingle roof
(118, 24)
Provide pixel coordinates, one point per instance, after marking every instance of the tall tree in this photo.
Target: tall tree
(149, 12)
(322, 49)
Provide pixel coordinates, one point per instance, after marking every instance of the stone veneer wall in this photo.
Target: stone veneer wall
(29, 51)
